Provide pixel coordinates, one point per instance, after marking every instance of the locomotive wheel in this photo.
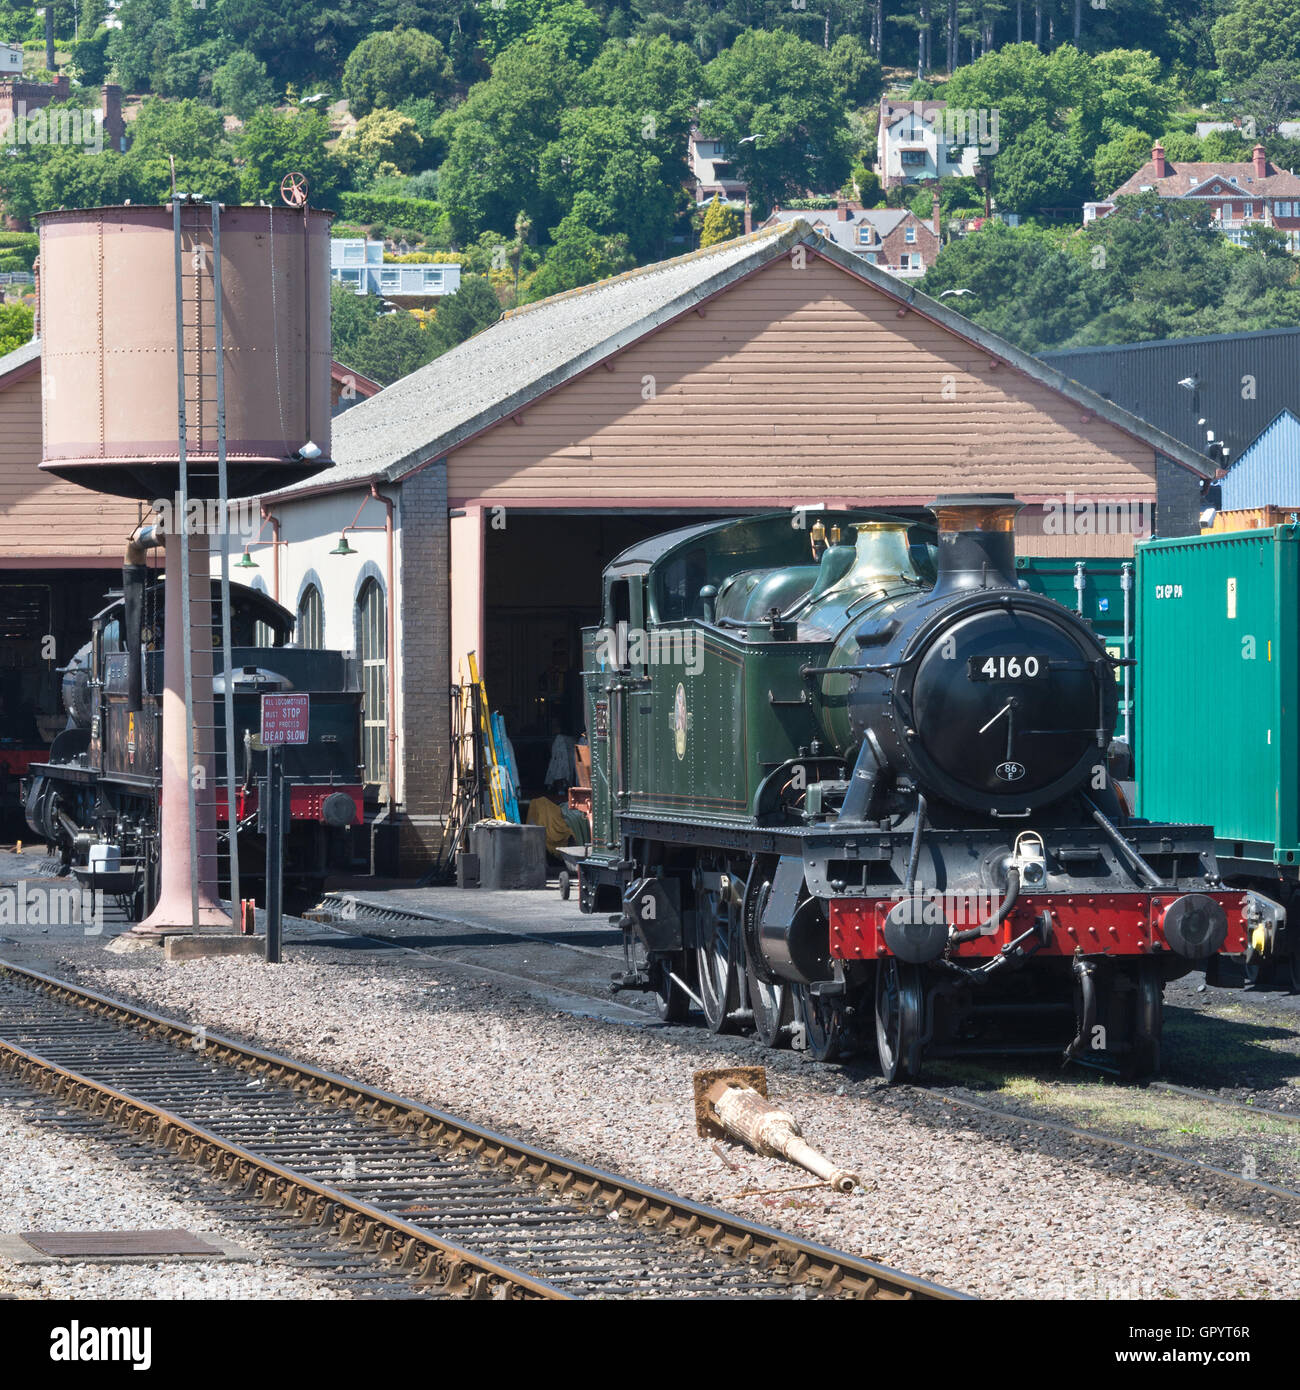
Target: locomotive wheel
(900, 1015)
(773, 1010)
(819, 1023)
(1143, 1058)
(672, 1003)
(566, 884)
(716, 958)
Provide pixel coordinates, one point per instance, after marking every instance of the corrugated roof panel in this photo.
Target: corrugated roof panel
(1242, 381)
(1268, 472)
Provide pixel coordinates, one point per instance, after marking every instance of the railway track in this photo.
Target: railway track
(459, 1208)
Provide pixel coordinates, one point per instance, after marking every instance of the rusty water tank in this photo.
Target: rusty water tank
(108, 348)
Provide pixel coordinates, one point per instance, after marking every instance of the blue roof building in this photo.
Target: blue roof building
(1268, 472)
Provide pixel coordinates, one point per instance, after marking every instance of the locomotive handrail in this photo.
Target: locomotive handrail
(808, 671)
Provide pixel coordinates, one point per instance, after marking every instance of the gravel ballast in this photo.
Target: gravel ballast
(956, 1206)
(55, 1182)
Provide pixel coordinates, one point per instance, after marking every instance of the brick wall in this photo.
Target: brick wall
(1178, 499)
(424, 659)
(895, 246)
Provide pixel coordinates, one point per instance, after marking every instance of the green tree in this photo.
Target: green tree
(601, 152)
(567, 24)
(1257, 32)
(142, 45)
(241, 85)
(775, 106)
(296, 39)
(855, 71)
(389, 68)
(1119, 159)
(579, 253)
(15, 327)
(384, 142)
(1269, 96)
(393, 346)
(471, 309)
(273, 145)
(1181, 148)
(351, 315)
(1024, 87)
(657, 81)
(496, 138)
(1129, 93)
(1040, 169)
(721, 223)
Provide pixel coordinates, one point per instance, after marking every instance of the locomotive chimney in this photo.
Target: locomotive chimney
(977, 541)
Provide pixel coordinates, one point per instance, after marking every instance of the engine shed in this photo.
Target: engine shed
(481, 497)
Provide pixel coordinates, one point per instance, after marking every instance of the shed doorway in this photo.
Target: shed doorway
(542, 586)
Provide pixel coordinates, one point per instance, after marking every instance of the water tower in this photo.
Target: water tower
(185, 357)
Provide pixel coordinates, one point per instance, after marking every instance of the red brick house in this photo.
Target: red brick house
(1242, 195)
(896, 240)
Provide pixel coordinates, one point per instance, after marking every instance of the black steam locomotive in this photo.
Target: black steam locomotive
(868, 794)
(96, 800)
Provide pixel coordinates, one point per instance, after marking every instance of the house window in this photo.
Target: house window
(913, 156)
(433, 279)
(372, 647)
(350, 277)
(871, 258)
(354, 254)
(865, 234)
(310, 630)
(390, 278)
(910, 235)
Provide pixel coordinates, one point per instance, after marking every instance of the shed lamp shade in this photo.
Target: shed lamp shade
(343, 548)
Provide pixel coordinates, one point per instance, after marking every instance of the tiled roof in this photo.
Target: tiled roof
(20, 357)
(531, 351)
(1182, 178)
(841, 231)
(492, 374)
(893, 111)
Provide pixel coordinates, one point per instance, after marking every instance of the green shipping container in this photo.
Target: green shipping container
(1218, 637)
(1099, 599)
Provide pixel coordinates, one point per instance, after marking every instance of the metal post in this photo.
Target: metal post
(273, 821)
(232, 820)
(1079, 584)
(184, 551)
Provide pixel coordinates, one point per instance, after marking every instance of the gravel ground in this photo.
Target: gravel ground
(952, 1205)
(55, 1182)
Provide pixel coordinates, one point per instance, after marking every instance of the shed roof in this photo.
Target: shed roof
(1268, 472)
(530, 351)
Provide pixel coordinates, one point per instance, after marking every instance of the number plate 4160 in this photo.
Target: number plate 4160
(1007, 668)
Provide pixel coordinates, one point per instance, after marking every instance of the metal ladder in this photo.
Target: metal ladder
(201, 420)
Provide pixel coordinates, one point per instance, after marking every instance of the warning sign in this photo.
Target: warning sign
(285, 719)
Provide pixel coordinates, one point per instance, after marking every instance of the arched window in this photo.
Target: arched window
(263, 633)
(310, 630)
(372, 647)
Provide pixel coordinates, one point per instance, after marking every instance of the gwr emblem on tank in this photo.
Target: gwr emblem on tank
(679, 721)
(1010, 771)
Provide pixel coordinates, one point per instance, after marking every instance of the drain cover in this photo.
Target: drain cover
(110, 1244)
